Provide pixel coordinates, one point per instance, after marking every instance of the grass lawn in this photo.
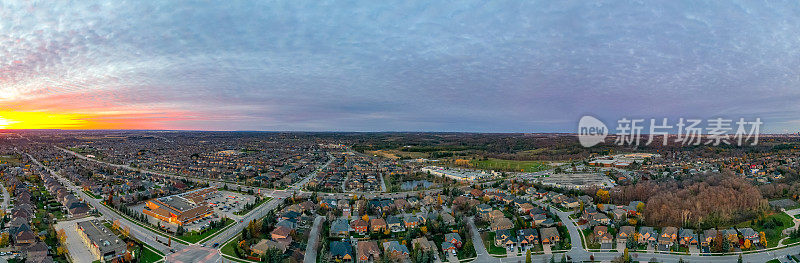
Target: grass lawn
(228, 249)
(194, 237)
(785, 220)
(791, 240)
(91, 194)
(589, 245)
(491, 248)
(510, 165)
(149, 256)
(774, 261)
(244, 212)
(5, 159)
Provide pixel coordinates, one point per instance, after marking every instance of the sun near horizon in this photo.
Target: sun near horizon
(48, 120)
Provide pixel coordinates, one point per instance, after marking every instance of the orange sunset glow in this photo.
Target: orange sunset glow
(49, 120)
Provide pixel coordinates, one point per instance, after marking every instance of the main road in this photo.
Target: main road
(137, 231)
(577, 252)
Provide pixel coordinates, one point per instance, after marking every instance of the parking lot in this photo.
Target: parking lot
(227, 203)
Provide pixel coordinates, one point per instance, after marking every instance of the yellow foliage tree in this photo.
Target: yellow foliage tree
(423, 229)
(62, 236)
(4, 239)
(747, 244)
(603, 195)
(763, 238)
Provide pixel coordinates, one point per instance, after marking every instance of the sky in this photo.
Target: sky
(473, 66)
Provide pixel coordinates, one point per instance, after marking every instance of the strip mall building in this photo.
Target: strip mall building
(182, 208)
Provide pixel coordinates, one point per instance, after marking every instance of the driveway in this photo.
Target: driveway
(311, 247)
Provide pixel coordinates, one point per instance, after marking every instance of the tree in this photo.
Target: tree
(61, 250)
(603, 195)
(528, 256)
(740, 259)
(763, 238)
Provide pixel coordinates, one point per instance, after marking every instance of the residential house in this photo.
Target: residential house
(503, 238)
(550, 235)
(750, 234)
(601, 235)
(395, 224)
(483, 210)
(528, 237)
(626, 232)
(262, 246)
(341, 251)
(667, 238)
(395, 250)
(423, 244)
(359, 226)
(453, 238)
(708, 236)
(411, 222)
(368, 251)
(647, 235)
(340, 227)
(378, 225)
(501, 224)
(687, 237)
(732, 236)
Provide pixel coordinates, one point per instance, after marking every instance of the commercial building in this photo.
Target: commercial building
(459, 174)
(101, 242)
(181, 209)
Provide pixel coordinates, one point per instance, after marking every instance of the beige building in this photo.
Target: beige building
(101, 241)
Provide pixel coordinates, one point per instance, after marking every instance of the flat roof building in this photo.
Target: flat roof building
(180, 209)
(103, 244)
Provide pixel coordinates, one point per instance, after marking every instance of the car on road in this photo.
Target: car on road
(215, 245)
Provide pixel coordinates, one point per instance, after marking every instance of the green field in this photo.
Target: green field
(149, 255)
(194, 237)
(786, 221)
(510, 165)
(9, 159)
(488, 242)
(91, 194)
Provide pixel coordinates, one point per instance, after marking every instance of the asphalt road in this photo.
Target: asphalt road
(138, 232)
(301, 184)
(480, 249)
(6, 197)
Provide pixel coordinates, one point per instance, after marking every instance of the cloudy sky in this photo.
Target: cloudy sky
(487, 66)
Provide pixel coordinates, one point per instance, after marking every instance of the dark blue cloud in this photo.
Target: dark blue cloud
(407, 65)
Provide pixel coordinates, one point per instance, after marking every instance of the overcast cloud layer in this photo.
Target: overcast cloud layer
(496, 66)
